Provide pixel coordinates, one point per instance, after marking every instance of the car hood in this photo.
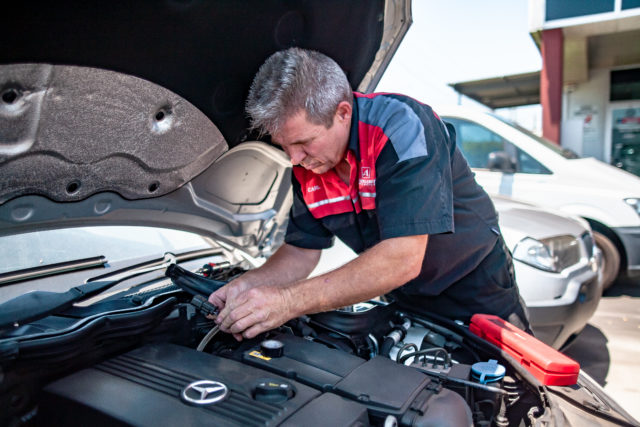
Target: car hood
(121, 113)
(519, 220)
(606, 178)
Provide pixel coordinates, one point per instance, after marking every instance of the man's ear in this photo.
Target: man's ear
(344, 111)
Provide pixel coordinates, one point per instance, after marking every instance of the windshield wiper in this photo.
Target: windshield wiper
(51, 269)
(38, 304)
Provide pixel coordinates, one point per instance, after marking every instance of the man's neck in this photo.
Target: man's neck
(343, 169)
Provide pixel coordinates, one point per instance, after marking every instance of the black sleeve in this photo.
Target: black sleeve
(304, 230)
(415, 195)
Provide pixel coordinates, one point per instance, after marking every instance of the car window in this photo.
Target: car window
(115, 243)
(476, 142)
(564, 152)
(527, 164)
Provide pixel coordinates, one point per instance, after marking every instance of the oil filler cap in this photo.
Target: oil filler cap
(487, 372)
(273, 391)
(272, 348)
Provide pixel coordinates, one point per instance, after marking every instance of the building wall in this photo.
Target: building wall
(584, 110)
(598, 36)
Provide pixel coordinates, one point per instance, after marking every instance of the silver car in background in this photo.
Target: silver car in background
(557, 268)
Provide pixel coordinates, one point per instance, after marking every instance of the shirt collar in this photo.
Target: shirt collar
(353, 132)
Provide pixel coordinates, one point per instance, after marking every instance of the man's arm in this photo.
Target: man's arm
(384, 267)
(288, 264)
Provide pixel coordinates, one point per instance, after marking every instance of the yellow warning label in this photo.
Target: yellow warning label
(256, 353)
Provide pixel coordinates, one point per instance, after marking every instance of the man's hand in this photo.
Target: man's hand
(249, 312)
(230, 290)
(265, 298)
(285, 267)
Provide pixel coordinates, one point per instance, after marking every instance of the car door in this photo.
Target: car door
(500, 166)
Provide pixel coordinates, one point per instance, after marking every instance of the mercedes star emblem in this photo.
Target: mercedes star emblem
(204, 392)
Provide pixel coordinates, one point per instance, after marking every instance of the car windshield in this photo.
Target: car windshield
(564, 152)
(115, 243)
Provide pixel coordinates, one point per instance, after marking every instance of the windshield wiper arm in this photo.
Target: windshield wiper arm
(38, 304)
(51, 269)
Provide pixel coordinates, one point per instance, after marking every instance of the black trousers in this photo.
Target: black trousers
(490, 289)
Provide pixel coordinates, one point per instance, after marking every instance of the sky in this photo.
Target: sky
(460, 40)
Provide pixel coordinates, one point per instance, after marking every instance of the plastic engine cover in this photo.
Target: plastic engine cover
(309, 385)
(144, 388)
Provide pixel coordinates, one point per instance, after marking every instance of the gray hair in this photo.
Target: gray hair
(292, 80)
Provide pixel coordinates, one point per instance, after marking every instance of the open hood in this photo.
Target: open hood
(120, 113)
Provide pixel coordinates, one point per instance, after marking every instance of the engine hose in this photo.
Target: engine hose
(387, 345)
(208, 338)
(394, 337)
(375, 350)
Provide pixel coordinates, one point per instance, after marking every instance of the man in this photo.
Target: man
(381, 172)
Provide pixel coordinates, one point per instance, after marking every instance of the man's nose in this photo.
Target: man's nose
(297, 155)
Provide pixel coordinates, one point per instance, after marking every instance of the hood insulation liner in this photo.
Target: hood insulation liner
(69, 132)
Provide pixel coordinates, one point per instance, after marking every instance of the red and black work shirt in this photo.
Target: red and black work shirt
(407, 178)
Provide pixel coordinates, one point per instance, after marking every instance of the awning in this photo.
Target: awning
(506, 91)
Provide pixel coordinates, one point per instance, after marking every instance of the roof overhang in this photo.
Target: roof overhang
(506, 91)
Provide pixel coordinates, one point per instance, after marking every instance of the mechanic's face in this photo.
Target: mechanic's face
(315, 147)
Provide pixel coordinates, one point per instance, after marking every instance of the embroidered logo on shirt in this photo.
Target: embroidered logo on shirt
(365, 172)
(312, 189)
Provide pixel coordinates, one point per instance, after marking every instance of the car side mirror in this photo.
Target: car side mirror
(501, 162)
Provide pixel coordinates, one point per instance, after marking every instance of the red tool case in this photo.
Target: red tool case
(545, 363)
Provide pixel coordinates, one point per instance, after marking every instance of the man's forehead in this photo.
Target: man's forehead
(296, 128)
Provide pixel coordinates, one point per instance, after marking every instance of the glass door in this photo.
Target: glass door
(625, 137)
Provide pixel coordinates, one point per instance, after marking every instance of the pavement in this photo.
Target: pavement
(608, 349)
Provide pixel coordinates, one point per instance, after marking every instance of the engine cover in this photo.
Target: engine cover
(164, 384)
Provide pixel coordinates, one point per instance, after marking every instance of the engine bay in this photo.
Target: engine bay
(154, 358)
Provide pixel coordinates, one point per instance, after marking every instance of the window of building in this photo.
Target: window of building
(630, 4)
(560, 9)
(625, 85)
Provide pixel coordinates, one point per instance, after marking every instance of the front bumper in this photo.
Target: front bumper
(630, 238)
(566, 303)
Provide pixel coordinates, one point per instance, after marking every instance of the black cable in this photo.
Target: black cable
(447, 359)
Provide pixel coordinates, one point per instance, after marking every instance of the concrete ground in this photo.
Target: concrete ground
(608, 349)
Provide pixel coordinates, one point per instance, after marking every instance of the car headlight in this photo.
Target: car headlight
(552, 254)
(634, 202)
(589, 243)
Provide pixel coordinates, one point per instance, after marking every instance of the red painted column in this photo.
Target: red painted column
(551, 83)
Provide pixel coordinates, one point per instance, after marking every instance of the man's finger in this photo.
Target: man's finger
(246, 322)
(229, 305)
(218, 298)
(255, 330)
(234, 314)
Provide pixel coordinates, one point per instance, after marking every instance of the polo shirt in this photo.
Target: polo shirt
(407, 178)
